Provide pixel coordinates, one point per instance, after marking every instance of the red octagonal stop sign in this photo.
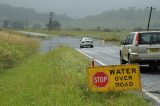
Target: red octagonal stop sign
(100, 79)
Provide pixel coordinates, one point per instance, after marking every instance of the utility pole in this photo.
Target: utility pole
(50, 26)
(150, 14)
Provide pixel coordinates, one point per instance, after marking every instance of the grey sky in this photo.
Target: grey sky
(80, 7)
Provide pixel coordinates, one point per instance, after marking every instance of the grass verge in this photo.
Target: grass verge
(57, 79)
(107, 36)
(14, 48)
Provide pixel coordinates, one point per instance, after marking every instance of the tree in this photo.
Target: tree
(98, 28)
(17, 25)
(36, 26)
(54, 25)
(6, 23)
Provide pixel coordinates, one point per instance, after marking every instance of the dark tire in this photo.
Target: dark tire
(122, 61)
(91, 46)
(81, 46)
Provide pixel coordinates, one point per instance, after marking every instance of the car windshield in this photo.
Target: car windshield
(88, 39)
(149, 38)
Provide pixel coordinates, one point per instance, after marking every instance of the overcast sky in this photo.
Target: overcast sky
(80, 8)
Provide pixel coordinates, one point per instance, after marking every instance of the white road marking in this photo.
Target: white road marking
(145, 91)
(151, 95)
(83, 53)
(91, 57)
(100, 62)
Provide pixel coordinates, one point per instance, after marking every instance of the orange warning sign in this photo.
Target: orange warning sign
(114, 78)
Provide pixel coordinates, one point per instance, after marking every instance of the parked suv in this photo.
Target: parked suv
(141, 47)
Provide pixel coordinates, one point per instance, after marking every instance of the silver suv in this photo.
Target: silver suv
(141, 47)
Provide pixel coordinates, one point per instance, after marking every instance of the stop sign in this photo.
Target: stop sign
(100, 79)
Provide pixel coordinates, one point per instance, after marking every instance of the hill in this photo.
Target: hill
(20, 15)
(120, 19)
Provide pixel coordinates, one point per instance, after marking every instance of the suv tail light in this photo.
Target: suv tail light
(137, 38)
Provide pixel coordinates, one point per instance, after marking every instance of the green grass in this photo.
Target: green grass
(57, 78)
(107, 36)
(14, 48)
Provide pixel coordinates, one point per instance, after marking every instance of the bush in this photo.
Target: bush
(9, 56)
(14, 48)
(77, 29)
(108, 30)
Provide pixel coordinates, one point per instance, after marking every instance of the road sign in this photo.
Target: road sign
(114, 78)
(100, 79)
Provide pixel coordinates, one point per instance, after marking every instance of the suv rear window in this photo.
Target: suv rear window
(149, 38)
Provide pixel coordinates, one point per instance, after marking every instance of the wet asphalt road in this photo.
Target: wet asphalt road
(108, 55)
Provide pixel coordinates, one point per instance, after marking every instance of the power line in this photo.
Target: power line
(151, 8)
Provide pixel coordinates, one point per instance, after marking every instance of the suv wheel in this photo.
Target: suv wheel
(122, 61)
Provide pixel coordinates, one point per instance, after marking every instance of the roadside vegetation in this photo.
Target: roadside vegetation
(110, 36)
(57, 78)
(14, 48)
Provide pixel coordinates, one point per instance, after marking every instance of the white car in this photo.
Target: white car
(86, 42)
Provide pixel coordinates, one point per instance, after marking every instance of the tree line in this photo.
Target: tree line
(123, 18)
(23, 18)
(23, 25)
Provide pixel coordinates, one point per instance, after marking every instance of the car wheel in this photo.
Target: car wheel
(81, 46)
(122, 61)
